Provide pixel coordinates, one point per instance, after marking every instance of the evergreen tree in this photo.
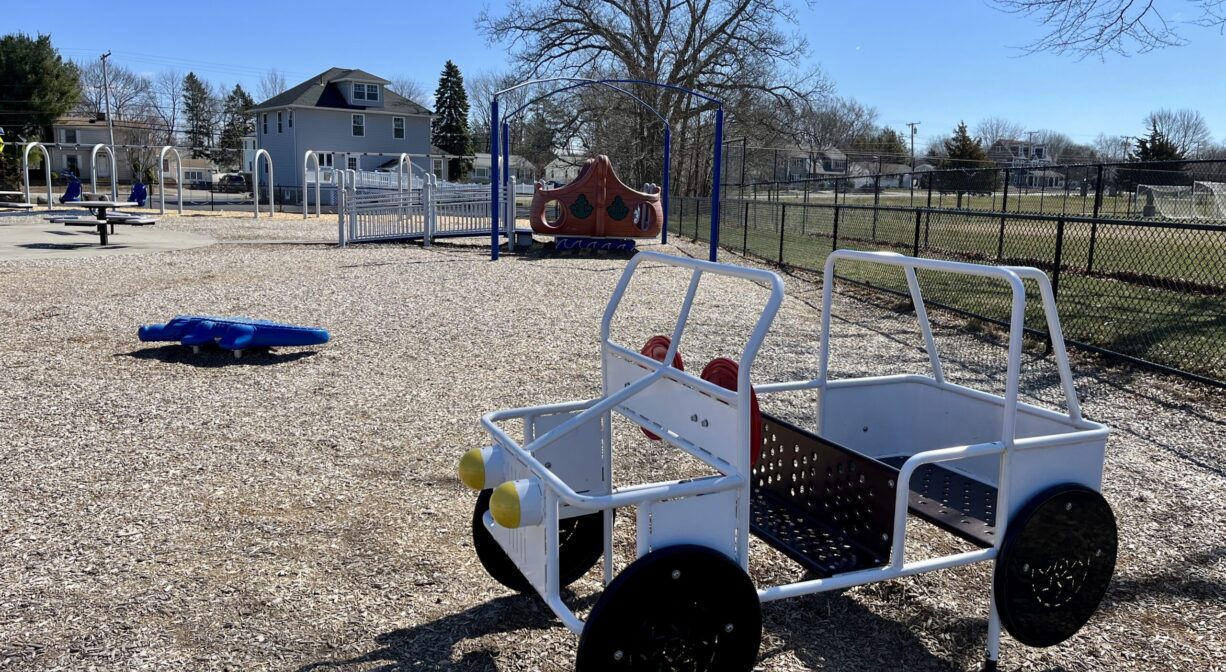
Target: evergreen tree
(963, 172)
(449, 130)
(37, 86)
(236, 124)
(199, 109)
(1155, 147)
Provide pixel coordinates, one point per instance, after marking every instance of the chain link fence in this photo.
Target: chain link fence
(1146, 289)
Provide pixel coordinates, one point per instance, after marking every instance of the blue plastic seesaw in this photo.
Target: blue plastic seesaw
(232, 333)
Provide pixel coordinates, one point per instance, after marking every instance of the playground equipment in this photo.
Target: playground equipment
(500, 146)
(1019, 482)
(167, 149)
(232, 333)
(25, 172)
(598, 205)
(255, 183)
(72, 194)
(93, 170)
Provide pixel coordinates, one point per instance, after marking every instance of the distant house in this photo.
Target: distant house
(522, 169)
(565, 168)
(81, 134)
(195, 171)
(349, 116)
(1027, 163)
(802, 164)
(248, 152)
(893, 175)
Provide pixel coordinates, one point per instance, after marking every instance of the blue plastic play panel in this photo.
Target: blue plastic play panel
(232, 333)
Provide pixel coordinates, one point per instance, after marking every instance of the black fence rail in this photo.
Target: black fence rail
(1151, 292)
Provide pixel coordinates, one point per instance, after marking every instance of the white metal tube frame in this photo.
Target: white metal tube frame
(93, 170)
(255, 183)
(306, 162)
(25, 171)
(729, 477)
(339, 178)
(162, 177)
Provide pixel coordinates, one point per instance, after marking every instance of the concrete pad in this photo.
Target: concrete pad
(33, 237)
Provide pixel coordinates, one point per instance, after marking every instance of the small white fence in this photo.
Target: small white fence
(432, 211)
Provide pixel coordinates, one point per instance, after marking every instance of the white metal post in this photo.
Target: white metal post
(25, 171)
(162, 177)
(338, 178)
(255, 183)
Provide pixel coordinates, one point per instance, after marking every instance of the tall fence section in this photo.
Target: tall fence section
(1139, 275)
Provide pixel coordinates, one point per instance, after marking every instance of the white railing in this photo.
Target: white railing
(434, 209)
(366, 179)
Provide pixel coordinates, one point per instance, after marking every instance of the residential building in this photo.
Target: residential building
(521, 168)
(803, 164)
(76, 137)
(893, 175)
(565, 168)
(346, 114)
(248, 153)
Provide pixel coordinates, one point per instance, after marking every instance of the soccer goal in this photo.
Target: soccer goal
(1199, 200)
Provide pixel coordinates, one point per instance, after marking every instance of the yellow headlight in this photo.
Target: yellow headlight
(504, 505)
(472, 469)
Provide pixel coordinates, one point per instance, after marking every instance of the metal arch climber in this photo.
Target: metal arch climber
(93, 170)
(25, 171)
(255, 182)
(499, 123)
(310, 155)
(162, 177)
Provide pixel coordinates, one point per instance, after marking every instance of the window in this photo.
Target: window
(70, 136)
(352, 163)
(481, 172)
(72, 164)
(398, 128)
(365, 91)
(359, 125)
(325, 161)
(436, 167)
(193, 175)
(279, 129)
(265, 123)
(291, 118)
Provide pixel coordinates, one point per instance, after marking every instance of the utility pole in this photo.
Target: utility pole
(913, 124)
(110, 128)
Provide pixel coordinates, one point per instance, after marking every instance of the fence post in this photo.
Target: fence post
(697, 212)
(915, 245)
(1004, 207)
(745, 228)
(834, 245)
(783, 214)
(1055, 276)
(680, 217)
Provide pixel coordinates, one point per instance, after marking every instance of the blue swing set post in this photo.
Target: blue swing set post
(575, 82)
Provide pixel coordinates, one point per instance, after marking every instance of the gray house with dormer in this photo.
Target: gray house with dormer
(349, 116)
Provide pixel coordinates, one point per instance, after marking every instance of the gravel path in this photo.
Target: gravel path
(298, 510)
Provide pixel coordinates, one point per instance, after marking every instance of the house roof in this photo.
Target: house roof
(321, 91)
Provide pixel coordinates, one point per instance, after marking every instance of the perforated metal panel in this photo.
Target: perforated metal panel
(827, 507)
(950, 500)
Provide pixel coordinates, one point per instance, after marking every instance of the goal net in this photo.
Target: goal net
(1199, 200)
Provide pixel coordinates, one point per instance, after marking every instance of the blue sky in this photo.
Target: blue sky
(933, 62)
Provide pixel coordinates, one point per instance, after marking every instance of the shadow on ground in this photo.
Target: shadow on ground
(214, 357)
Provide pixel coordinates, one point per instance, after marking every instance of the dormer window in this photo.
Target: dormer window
(365, 91)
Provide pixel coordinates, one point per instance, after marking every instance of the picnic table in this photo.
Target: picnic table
(101, 219)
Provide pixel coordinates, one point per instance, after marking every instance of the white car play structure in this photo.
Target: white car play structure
(1019, 482)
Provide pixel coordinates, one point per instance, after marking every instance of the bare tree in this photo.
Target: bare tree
(1112, 147)
(1096, 27)
(409, 88)
(128, 91)
(992, 129)
(164, 103)
(271, 83)
(1185, 128)
(734, 50)
(1056, 144)
(834, 123)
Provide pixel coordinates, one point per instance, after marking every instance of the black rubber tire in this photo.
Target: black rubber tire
(684, 608)
(1055, 564)
(580, 542)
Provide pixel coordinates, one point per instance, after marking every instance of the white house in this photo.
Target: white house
(347, 115)
(522, 169)
(565, 168)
